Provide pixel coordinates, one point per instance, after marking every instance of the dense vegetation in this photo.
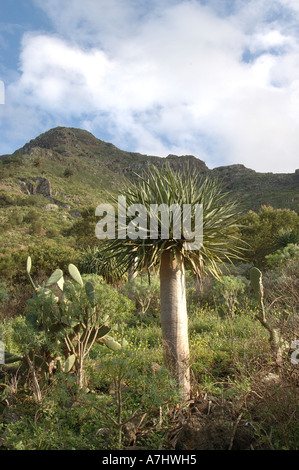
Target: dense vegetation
(82, 342)
(127, 398)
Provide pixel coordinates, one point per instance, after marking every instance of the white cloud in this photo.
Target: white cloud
(2, 92)
(57, 75)
(169, 79)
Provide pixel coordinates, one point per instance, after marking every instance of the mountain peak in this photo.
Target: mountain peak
(58, 137)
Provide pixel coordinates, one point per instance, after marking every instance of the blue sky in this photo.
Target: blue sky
(218, 79)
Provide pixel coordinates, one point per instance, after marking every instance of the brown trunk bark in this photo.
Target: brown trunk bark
(174, 319)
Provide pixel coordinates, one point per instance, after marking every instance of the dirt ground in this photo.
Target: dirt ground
(245, 424)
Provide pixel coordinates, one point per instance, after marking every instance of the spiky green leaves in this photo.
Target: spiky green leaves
(165, 187)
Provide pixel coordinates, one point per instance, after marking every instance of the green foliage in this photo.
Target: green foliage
(83, 229)
(137, 389)
(220, 346)
(44, 256)
(125, 392)
(94, 260)
(284, 256)
(68, 172)
(34, 220)
(35, 227)
(4, 171)
(17, 200)
(263, 232)
(286, 236)
(281, 282)
(16, 159)
(57, 423)
(228, 291)
(145, 292)
(4, 292)
(278, 415)
(16, 217)
(220, 222)
(227, 358)
(116, 305)
(6, 199)
(70, 323)
(32, 216)
(37, 162)
(227, 354)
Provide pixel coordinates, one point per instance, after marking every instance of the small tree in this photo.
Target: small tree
(274, 332)
(220, 242)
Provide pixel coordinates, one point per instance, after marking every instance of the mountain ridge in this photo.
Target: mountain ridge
(60, 135)
(77, 153)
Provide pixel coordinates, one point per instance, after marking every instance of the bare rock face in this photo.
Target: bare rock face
(43, 187)
(38, 185)
(27, 187)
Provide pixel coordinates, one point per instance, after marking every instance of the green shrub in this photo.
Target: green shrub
(83, 230)
(220, 345)
(136, 387)
(31, 216)
(4, 292)
(227, 293)
(57, 423)
(44, 256)
(6, 199)
(4, 171)
(68, 172)
(263, 232)
(35, 227)
(145, 293)
(284, 256)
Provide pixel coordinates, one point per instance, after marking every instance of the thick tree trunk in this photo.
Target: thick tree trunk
(174, 319)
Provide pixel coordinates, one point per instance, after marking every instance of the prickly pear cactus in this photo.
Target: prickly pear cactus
(70, 318)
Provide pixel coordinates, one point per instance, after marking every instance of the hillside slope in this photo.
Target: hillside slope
(66, 169)
(102, 166)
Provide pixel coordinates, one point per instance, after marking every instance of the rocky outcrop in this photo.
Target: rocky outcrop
(39, 185)
(42, 187)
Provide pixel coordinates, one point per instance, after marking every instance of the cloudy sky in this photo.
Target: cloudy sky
(218, 79)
